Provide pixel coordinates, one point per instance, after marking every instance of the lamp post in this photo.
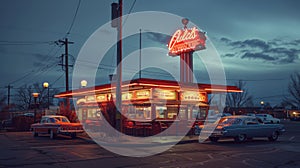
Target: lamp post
(46, 86)
(83, 83)
(35, 96)
(262, 105)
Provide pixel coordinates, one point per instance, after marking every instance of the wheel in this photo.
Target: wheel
(274, 136)
(213, 139)
(240, 138)
(272, 122)
(73, 135)
(52, 134)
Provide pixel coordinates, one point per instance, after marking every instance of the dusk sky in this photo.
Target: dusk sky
(258, 40)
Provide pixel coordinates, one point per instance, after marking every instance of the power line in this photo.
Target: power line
(71, 26)
(130, 10)
(53, 83)
(3, 42)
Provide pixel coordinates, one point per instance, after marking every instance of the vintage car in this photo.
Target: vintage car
(267, 118)
(241, 128)
(54, 125)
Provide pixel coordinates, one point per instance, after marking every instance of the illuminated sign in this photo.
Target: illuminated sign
(164, 94)
(186, 40)
(90, 98)
(193, 96)
(101, 97)
(80, 101)
(142, 94)
(127, 96)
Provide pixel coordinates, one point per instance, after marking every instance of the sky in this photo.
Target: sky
(258, 41)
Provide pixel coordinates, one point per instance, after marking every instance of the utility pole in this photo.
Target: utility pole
(65, 43)
(117, 12)
(8, 95)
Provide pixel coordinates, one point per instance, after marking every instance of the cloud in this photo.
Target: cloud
(258, 56)
(276, 51)
(158, 37)
(252, 43)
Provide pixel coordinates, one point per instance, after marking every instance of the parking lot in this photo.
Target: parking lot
(21, 149)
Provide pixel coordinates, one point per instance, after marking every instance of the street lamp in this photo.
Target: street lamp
(262, 105)
(83, 83)
(46, 86)
(35, 96)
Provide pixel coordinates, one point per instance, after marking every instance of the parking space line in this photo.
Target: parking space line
(291, 138)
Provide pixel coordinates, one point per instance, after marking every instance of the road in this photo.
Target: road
(21, 149)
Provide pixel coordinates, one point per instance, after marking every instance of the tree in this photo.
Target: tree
(294, 90)
(239, 99)
(25, 99)
(2, 100)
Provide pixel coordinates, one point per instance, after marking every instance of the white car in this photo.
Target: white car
(267, 118)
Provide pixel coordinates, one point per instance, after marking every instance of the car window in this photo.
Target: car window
(44, 120)
(51, 120)
(231, 121)
(251, 121)
(62, 119)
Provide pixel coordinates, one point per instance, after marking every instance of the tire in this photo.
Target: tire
(272, 122)
(52, 134)
(240, 138)
(274, 136)
(213, 139)
(35, 134)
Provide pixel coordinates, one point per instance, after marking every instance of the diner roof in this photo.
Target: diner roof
(149, 83)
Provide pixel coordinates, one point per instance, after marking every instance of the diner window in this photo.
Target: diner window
(182, 113)
(198, 113)
(166, 112)
(93, 113)
(161, 111)
(172, 112)
(142, 113)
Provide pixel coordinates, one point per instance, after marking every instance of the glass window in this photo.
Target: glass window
(64, 119)
(231, 121)
(44, 120)
(182, 113)
(51, 120)
(142, 113)
(172, 112)
(198, 113)
(161, 111)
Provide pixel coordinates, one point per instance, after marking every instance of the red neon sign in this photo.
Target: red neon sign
(186, 40)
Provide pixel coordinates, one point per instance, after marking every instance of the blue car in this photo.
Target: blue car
(241, 128)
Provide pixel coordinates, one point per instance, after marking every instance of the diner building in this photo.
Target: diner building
(145, 103)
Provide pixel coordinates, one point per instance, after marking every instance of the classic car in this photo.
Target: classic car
(241, 128)
(54, 125)
(267, 118)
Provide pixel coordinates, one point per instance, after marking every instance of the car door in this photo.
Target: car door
(252, 127)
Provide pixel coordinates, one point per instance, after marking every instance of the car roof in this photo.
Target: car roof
(51, 116)
(239, 116)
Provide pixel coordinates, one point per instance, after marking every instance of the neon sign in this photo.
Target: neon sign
(193, 96)
(186, 40)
